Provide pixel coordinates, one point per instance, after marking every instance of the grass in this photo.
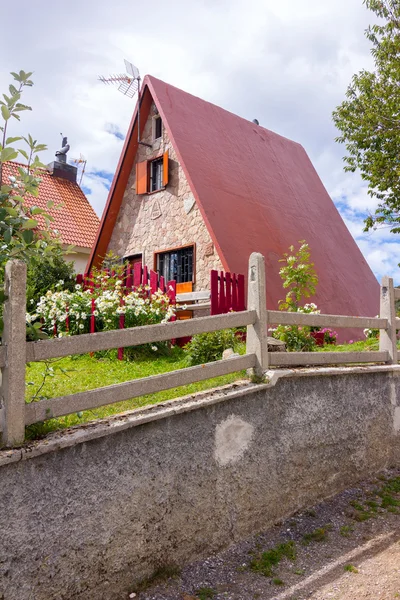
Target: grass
(83, 372)
(350, 569)
(205, 593)
(318, 535)
(346, 530)
(266, 561)
(363, 345)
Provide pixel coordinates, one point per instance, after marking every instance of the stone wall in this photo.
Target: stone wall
(165, 219)
(88, 512)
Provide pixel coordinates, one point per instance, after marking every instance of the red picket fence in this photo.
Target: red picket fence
(227, 292)
(133, 277)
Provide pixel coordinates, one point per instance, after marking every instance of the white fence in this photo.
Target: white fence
(16, 352)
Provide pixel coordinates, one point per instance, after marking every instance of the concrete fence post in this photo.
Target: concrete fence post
(14, 340)
(256, 300)
(387, 337)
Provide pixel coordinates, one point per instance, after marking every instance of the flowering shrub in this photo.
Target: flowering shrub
(371, 334)
(68, 313)
(208, 347)
(330, 336)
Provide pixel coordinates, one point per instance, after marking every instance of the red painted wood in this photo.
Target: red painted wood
(214, 293)
(121, 326)
(234, 292)
(129, 280)
(79, 278)
(162, 284)
(228, 291)
(241, 293)
(137, 274)
(92, 317)
(221, 299)
(153, 282)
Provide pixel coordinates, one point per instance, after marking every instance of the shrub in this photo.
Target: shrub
(330, 336)
(45, 274)
(208, 347)
(297, 339)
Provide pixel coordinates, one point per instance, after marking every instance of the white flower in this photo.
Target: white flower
(78, 286)
(81, 326)
(154, 348)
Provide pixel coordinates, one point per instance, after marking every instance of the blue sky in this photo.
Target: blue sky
(287, 63)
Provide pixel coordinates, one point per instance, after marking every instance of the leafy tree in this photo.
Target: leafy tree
(369, 119)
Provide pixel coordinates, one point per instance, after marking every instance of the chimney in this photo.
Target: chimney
(60, 167)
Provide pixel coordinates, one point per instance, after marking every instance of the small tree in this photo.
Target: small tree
(299, 277)
(20, 234)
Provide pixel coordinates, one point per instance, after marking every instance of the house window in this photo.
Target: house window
(157, 127)
(176, 264)
(156, 174)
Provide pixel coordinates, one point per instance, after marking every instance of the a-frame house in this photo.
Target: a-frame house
(203, 188)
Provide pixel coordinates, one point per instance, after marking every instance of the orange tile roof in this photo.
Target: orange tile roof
(75, 221)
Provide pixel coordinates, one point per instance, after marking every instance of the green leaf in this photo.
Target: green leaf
(11, 211)
(29, 224)
(37, 211)
(24, 153)
(5, 112)
(11, 140)
(8, 154)
(7, 236)
(27, 236)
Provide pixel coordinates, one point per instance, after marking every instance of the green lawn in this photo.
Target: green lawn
(84, 372)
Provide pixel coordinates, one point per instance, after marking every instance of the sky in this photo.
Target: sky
(286, 63)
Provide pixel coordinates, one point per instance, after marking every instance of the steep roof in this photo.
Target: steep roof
(75, 220)
(257, 191)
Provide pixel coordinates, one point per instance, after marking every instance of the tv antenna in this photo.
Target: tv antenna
(128, 84)
(80, 161)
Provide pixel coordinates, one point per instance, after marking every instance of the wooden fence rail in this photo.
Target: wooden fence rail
(15, 415)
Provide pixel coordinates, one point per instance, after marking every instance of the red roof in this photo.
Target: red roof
(257, 191)
(75, 220)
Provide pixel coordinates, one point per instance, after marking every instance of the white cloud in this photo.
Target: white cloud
(288, 63)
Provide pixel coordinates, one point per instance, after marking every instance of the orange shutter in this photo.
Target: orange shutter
(141, 177)
(165, 168)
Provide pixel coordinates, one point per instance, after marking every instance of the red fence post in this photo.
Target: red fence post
(234, 292)
(137, 274)
(214, 293)
(121, 326)
(153, 282)
(228, 291)
(222, 307)
(241, 293)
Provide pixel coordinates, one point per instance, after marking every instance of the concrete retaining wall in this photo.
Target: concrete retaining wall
(86, 514)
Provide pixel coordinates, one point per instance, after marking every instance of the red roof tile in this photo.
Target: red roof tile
(75, 220)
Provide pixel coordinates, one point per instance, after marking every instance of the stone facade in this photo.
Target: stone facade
(165, 219)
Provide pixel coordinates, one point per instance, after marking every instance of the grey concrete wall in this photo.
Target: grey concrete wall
(86, 514)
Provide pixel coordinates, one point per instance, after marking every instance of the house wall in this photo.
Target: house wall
(87, 513)
(165, 219)
(79, 257)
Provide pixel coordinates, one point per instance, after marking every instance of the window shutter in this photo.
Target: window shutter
(141, 177)
(165, 168)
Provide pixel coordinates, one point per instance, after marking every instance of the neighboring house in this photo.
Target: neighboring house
(204, 188)
(75, 220)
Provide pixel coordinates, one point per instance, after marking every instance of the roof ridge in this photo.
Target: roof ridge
(250, 123)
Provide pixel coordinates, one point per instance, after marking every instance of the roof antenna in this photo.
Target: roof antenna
(128, 84)
(80, 161)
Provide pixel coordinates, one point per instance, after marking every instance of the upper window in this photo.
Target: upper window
(152, 175)
(176, 264)
(156, 175)
(157, 127)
